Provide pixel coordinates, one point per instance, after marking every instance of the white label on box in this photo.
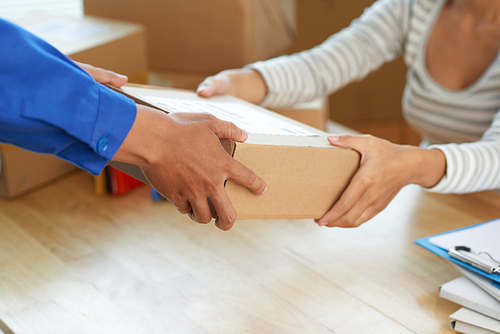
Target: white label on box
(62, 30)
(247, 118)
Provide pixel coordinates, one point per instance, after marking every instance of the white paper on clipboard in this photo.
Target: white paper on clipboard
(480, 238)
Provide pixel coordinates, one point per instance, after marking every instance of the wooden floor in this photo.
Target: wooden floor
(73, 262)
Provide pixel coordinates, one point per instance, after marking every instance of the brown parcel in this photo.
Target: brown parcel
(22, 171)
(305, 175)
(313, 113)
(206, 35)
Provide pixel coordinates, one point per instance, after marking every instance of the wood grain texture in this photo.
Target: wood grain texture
(73, 262)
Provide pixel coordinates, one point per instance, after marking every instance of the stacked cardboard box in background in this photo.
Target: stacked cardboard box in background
(313, 113)
(22, 171)
(109, 44)
(206, 36)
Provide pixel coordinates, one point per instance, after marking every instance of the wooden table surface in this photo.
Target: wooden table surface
(74, 262)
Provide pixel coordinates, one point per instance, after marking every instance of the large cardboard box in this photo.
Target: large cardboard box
(313, 113)
(206, 35)
(304, 174)
(22, 171)
(177, 79)
(110, 44)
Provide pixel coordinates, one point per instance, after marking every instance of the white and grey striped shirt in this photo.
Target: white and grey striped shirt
(464, 124)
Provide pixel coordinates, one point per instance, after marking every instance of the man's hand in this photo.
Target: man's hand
(183, 159)
(104, 76)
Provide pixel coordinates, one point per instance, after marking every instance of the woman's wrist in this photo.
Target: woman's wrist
(248, 84)
(431, 167)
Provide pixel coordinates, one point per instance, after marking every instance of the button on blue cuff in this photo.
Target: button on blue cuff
(102, 145)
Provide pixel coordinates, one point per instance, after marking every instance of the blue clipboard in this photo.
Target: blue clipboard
(424, 242)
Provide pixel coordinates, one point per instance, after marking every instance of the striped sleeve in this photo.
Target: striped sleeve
(473, 166)
(376, 37)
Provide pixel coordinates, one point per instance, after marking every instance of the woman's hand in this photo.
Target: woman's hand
(245, 84)
(104, 76)
(384, 169)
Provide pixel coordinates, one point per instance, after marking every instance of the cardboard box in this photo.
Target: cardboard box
(177, 79)
(109, 44)
(304, 174)
(313, 113)
(396, 131)
(206, 35)
(19, 175)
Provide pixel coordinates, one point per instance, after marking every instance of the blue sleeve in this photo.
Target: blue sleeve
(50, 105)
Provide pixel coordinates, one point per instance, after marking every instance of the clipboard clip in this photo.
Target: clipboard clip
(460, 253)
